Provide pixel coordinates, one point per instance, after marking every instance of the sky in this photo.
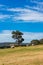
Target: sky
(23, 15)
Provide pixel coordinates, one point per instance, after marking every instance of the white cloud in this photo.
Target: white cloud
(18, 10)
(28, 15)
(3, 17)
(6, 36)
(6, 31)
(38, 6)
(28, 36)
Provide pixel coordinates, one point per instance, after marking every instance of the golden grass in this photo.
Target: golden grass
(30, 57)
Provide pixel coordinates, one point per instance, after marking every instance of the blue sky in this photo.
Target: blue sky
(22, 15)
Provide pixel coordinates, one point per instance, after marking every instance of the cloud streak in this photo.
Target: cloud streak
(28, 15)
(38, 6)
(4, 16)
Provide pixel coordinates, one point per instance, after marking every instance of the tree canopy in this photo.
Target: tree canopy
(18, 36)
(35, 42)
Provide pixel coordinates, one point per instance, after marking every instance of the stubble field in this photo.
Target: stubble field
(31, 55)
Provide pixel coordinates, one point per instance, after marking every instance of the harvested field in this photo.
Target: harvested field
(31, 55)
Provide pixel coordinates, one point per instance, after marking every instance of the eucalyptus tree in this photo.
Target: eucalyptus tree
(18, 36)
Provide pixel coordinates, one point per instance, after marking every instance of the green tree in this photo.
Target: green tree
(35, 42)
(18, 36)
(41, 41)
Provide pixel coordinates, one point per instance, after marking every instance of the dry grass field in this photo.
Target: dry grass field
(31, 55)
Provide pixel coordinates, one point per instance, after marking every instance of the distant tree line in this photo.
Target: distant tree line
(19, 39)
(37, 42)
